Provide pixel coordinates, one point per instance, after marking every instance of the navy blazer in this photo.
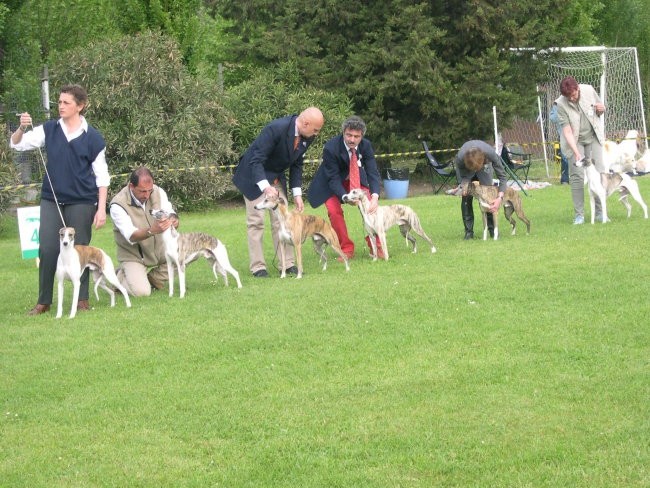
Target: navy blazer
(335, 169)
(269, 156)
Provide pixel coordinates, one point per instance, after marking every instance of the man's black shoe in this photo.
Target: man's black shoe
(292, 270)
(261, 273)
(469, 236)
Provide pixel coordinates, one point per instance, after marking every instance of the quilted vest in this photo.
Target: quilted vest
(588, 98)
(151, 251)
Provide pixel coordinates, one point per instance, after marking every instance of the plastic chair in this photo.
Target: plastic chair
(441, 174)
(517, 160)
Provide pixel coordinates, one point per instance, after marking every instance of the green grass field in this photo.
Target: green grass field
(523, 362)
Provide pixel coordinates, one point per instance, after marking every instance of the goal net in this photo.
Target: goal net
(613, 72)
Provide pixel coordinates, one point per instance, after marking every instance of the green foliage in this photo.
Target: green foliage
(626, 23)
(273, 93)
(428, 69)
(3, 16)
(152, 112)
(8, 172)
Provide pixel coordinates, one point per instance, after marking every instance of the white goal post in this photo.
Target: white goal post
(613, 72)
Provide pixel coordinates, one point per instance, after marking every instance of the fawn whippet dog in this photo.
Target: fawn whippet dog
(181, 248)
(72, 262)
(296, 227)
(384, 218)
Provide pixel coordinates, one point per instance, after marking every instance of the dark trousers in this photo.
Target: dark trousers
(78, 216)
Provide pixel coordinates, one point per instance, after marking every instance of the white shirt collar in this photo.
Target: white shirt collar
(82, 128)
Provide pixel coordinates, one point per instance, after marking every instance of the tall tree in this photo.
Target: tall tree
(415, 68)
(626, 23)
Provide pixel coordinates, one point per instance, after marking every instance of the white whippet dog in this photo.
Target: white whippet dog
(183, 248)
(602, 185)
(384, 218)
(73, 260)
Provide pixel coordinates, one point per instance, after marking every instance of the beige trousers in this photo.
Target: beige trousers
(255, 232)
(137, 278)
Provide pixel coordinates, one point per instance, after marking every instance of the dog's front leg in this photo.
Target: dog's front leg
(603, 207)
(485, 225)
(382, 242)
(297, 246)
(283, 263)
(59, 306)
(370, 237)
(181, 278)
(170, 275)
(76, 284)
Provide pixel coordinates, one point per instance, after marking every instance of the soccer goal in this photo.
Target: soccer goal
(613, 72)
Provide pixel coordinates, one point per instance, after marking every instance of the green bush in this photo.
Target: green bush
(8, 173)
(153, 112)
(273, 93)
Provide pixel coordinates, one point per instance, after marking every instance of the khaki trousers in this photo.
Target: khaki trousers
(137, 278)
(592, 150)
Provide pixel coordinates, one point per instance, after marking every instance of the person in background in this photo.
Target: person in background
(75, 186)
(578, 111)
(564, 163)
(281, 145)
(140, 247)
(477, 160)
(335, 176)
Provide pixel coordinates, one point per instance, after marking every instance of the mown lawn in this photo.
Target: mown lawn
(521, 362)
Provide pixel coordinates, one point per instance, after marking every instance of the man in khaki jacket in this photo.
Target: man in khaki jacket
(140, 248)
(579, 109)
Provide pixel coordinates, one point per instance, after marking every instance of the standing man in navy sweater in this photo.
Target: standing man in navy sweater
(78, 181)
(261, 171)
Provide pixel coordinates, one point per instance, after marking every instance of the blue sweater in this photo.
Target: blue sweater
(69, 165)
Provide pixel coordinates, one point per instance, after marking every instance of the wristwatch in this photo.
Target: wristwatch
(149, 233)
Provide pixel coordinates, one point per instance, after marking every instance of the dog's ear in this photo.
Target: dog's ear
(283, 199)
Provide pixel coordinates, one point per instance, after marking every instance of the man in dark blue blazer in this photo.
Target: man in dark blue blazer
(261, 170)
(332, 179)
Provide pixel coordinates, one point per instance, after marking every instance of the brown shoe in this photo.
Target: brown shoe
(157, 284)
(83, 305)
(39, 309)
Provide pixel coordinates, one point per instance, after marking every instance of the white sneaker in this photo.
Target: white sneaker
(579, 220)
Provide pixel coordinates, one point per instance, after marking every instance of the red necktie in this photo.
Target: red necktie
(296, 141)
(355, 180)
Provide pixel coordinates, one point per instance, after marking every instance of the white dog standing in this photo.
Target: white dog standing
(72, 262)
(384, 218)
(602, 185)
(183, 248)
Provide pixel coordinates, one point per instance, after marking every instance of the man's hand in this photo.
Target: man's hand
(271, 191)
(100, 218)
(160, 226)
(496, 204)
(300, 206)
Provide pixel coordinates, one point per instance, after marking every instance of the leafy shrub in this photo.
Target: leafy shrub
(273, 93)
(153, 112)
(8, 172)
